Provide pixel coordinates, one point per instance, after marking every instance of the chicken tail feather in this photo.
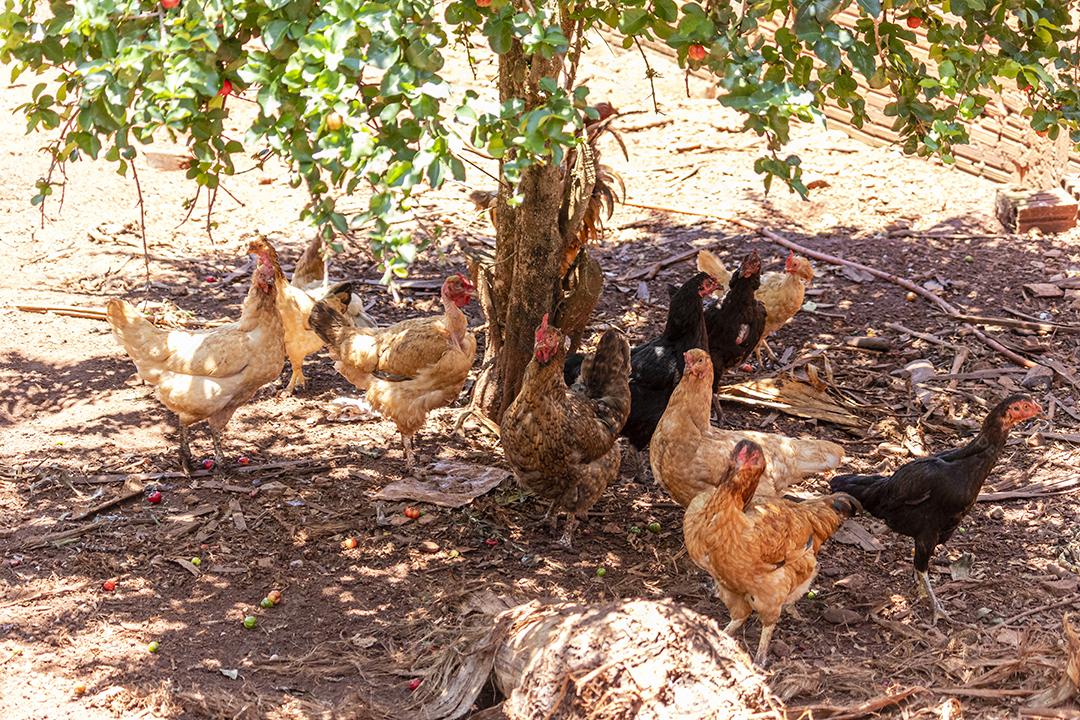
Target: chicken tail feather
(329, 324)
(311, 266)
(816, 456)
(827, 514)
(866, 489)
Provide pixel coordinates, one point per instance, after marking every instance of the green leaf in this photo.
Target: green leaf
(871, 7)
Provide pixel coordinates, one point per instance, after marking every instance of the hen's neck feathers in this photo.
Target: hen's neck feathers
(259, 301)
(693, 395)
(740, 290)
(456, 322)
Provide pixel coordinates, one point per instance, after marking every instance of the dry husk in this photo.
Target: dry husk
(641, 659)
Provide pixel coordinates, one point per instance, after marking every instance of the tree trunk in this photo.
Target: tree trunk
(528, 249)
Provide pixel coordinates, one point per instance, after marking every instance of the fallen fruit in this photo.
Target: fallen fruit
(154, 646)
(811, 594)
(250, 622)
(334, 121)
(747, 367)
(226, 89)
(969, 259)
(169, 4)
(415, 683)
(266, 603)
(211, 279)
(80, 689)
(913, 21)
(207, 464)
(349, 543)
(654, 527)
(412, 513)
(196, 561)
(453, 554)
(243, 460)
(601, 572)
(492, 542)
(275, 596)
(635, 530)
(910, 297)
(154, 498)
(696, 53)
(108, 585)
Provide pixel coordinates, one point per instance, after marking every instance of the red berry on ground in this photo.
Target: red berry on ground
(415, 683)
(243, 460)
(211, 279)
(491, 541)
(275, 596)
(412, 513)
(154, 498)
(226, 89)
(696, 53)
(349, 543)
(108, 585)
(208, 464)
(169, 4)
(913, 21)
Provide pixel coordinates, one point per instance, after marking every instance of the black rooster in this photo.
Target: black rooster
(927, 498)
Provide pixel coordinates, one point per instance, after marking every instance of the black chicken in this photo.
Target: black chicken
(927, 498)
(658, 364)
(735, 325)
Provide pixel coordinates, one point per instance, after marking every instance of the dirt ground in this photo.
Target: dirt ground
(75, 423)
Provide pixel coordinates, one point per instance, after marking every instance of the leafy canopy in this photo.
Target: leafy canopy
(350, 92)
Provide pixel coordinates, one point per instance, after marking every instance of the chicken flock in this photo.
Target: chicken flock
(560, 434)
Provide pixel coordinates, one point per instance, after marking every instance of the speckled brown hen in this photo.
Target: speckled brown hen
(561, 441)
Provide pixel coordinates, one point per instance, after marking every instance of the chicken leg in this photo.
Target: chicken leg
(297, 380)
(185, 450)
(219, 456)
(410, 456)
(922, 578)
(761, 657)
(567, 537)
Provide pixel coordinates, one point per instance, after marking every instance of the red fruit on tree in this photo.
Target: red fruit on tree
(696, 53)
(1041, 133)
(483, 3)
(226, 89)
(154, 498)
(914, 21)
(169, 4)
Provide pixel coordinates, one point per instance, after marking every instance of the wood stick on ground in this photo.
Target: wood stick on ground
(1026, 324)
(933, 339)
(651, 271)
(42, 540)
(1074, 598)
(131, 489)
(984, 692)
(851, 712)
(65, 310)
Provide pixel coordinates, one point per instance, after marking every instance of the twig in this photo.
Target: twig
(1075, 597)
(983, 692)
(650, 74)
(851, 712)
(131, 489)
(66, 310)
(653, 270)
(42, 540)
(922, 336)
(1026, 324)
(142, 226)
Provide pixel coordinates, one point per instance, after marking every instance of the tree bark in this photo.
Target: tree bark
(528, 249)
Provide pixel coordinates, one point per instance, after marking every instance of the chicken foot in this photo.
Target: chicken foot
(922, 578)
(296, 381)
(567, 537)
(219, 456)
(410, 456)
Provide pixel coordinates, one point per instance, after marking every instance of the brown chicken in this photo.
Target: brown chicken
(207, 375)
(690, 456)
(781, 292)
(560, 441)
(762, 553)
(409, 368)
(295, 300)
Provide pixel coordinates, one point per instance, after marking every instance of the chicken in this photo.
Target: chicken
(735, 325)
(689, 456)
(207, 375)
(762, 553)
(295, 300)
(927, 498)
(410, 368)
(781, 292)
(658, 363)
(560, 441)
